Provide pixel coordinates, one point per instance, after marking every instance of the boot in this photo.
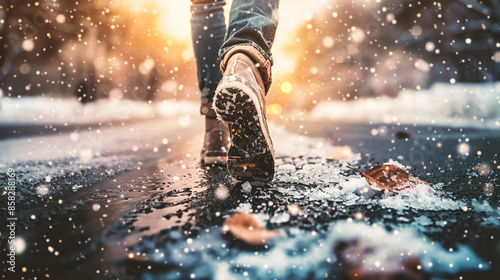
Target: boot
(215, 143)
(240, 101)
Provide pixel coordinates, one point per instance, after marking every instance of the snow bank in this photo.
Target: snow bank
(42, 110)
(443, 104)
(294, 145)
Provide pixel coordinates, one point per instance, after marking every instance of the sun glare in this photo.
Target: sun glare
(174, 19)
(133, 5)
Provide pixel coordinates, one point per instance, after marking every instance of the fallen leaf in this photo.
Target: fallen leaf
(341, 152)
(248, 228)
(389, 177)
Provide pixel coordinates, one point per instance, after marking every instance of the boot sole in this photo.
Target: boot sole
(251, 155)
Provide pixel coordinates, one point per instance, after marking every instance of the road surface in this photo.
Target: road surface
(136, 204)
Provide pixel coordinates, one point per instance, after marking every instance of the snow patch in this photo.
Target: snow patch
(383, 249)
(301, 165)
(42, 110)
(380, 252)
(367, 249)
(295, 145)
(476, 105)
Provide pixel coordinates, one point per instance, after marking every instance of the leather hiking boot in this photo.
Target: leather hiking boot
(240, 101)
(215, 143)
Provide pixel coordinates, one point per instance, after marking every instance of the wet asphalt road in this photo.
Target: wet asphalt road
(153, 210)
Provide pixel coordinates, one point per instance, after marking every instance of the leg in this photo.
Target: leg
(240, 97)
(208, 30)
(252, 27)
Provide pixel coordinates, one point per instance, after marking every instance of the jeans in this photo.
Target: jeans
(251, 22)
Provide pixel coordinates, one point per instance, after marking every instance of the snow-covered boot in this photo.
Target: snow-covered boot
(240, 101)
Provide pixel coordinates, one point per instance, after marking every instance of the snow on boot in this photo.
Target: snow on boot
(240, 101)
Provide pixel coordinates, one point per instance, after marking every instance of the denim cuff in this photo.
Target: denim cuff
(205, 6)
(262, 61)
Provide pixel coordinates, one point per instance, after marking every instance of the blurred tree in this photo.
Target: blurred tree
(34, 33)
(368, 48)
(89, 48)
(458, 37)
(25, 27)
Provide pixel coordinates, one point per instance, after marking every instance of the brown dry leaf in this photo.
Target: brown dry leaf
(248, 228)
(341, 152)
(389, 177)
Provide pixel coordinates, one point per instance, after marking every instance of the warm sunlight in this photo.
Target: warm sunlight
(133, 5)
(175, 18)
(370, 151)
(286, 87)
(174, 21)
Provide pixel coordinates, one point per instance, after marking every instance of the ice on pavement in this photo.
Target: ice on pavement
(302, 166)
(443, 104)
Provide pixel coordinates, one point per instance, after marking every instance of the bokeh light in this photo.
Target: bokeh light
(274, 109)
(463, 149)
(286, 87)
